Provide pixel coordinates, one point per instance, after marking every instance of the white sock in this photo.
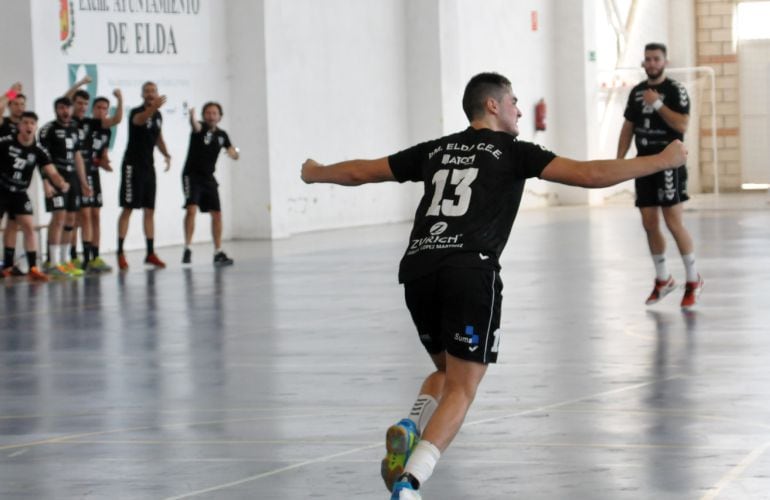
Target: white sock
(422, 410)
(65, 252)
(689, 267)
(54, 253)
(661, 269)
(422, 461)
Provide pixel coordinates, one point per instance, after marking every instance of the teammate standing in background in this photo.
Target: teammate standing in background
(474, 181)
(656, 114)
(16, 102)
(19, 155)
(61, 139)
(137, 176)
(198, 182)
(92, 134)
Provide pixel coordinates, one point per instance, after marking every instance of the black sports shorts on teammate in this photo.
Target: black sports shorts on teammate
(662, 189)
(14, 204)
(201, 192)
(95, 183)
(137, 187)
(69, 201)
(457, 310)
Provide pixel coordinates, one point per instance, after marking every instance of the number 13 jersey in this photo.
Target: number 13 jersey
(473, 182)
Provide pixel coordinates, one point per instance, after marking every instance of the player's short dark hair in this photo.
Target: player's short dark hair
(100, 99)
(657, 46)
(20, 95)
(29, 114)
(82, 94)
(212, 103)
(148, 82)
(62, 100)
(479, 89)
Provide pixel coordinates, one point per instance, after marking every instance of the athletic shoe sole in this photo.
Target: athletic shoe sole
(397, 446)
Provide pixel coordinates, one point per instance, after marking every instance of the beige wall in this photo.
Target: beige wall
(717, 48)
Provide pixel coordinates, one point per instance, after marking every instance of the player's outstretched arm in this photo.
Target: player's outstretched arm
(117, 117)
(70, 93)
(348, 173)
(149, 110)
(11, 94)
(603, 173)
(194, 123)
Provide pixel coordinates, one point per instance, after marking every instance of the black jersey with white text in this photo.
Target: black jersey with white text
(651, 132)
(18, 162)
(142, 139)
(473, 183)
(203, 151)
(8, 127)
(62, 142)
(94, 139)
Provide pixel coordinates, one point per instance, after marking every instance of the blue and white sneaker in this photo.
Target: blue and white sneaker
(400, 440)
(403, 490)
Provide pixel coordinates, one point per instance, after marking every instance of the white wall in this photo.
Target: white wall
(336, 85)
(754, 69)
(15, 33)
(249, 201)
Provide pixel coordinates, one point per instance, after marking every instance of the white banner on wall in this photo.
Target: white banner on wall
(145, 31)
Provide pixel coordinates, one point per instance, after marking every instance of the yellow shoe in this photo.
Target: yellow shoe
(70, 269)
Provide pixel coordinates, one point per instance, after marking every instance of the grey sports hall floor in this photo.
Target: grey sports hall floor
(276, 379)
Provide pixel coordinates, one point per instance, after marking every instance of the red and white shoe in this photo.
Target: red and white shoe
(154, 260)
(660, 290)
(692, 290)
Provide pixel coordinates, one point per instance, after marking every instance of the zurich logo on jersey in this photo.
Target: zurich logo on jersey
(438, 228)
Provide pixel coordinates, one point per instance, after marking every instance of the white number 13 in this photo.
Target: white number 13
(460, 178)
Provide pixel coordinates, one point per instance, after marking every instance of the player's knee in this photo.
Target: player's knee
(460, 388)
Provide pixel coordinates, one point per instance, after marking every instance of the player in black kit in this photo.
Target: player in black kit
(16, 102)
(137, 176)
(94, 136)
(198, 182)
(657, 113)
(61, 139)
(473, 182)
(19, 155)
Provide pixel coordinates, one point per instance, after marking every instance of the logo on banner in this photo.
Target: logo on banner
(66, 24)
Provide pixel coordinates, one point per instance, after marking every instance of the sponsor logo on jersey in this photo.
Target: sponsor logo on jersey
(448, 159)
(438, 228)
(435, 243)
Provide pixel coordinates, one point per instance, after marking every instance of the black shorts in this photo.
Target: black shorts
(69, 201)
(137, 186)
(457, 310)
(95, 183)
(204, 193)
(14, 204)
(662, 189)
